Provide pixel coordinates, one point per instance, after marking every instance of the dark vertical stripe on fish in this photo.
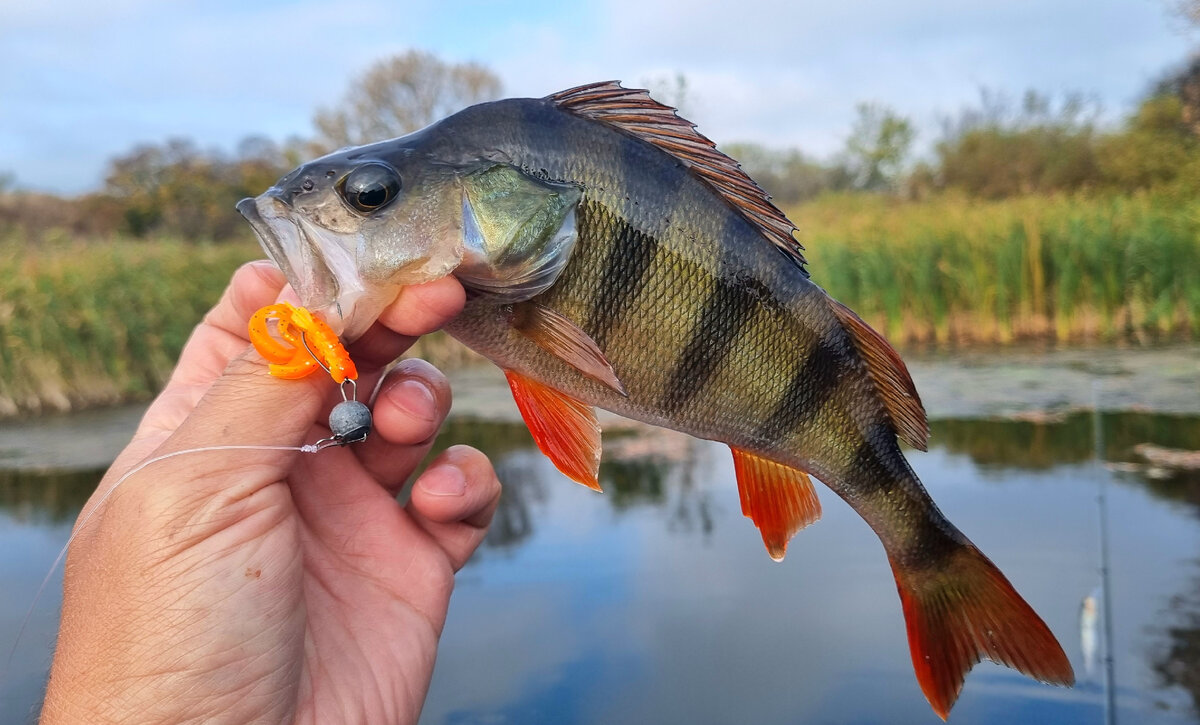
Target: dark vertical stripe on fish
(731, 305)
(811, 386)
(622, 276)
(871, 466)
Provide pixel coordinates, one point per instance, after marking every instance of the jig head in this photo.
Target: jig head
(308, 344)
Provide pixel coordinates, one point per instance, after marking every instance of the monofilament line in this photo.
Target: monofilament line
(310, 448)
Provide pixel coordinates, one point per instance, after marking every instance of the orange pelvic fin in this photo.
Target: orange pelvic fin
(890, 376)
(563, 339)
(964, 611)
(564, 428)
(778, 498)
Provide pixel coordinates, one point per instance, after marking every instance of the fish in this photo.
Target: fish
(613, 257)
(1089, 635)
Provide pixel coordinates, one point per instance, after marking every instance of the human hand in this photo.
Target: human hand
(272, 586)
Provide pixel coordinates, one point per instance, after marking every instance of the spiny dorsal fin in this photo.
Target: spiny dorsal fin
(891, 378)
(633, 111)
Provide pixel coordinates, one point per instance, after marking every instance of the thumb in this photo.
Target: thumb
(243, 404)
(222, 398)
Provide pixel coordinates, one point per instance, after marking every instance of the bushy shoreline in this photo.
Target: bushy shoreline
(85, 323)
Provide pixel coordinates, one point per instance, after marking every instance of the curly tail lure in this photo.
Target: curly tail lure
(308, 344)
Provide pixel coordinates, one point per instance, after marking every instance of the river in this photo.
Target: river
(656, 602)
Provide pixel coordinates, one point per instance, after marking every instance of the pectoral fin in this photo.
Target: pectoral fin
(564, 428)
(778, 498)
(562, 338)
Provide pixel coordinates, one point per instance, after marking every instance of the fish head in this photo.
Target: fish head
(350, 229)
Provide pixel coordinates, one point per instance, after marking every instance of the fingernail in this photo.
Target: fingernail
(287, 294)
(416, 397)
(444, 481)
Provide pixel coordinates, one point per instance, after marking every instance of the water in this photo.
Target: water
(656, 601)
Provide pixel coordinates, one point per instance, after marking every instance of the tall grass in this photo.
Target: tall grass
(101, 322)
(88, 323)
(952, 270)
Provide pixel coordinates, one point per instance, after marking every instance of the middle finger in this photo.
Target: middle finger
(412, 403)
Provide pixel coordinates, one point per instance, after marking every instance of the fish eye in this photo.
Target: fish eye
(370, 187)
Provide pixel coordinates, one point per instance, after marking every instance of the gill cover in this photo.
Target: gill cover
(518, 232)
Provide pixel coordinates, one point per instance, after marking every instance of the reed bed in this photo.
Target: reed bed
(85, 323)
(956, 271)
(100, 322)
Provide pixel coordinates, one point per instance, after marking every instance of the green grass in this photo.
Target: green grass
(99, 322)
(951, 270)
(103, 321)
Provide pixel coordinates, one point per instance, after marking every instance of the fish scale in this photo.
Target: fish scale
(666, 288)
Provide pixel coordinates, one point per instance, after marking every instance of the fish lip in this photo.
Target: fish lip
(267, 238)
(293, 250)
(322, 271)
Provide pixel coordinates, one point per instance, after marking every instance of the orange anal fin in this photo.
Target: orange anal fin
(965, 611)
(779, 499)
(563, 339)
(890, 376)
(564, 428)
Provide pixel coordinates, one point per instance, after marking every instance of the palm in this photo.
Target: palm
(367, 614)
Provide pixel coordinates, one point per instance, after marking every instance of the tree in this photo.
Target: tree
(179, 190)
(787, 175)
(1184, 83)
(401, 94)
(1004, 149)
(878, 147)
(1158, 146)
(1189, 10)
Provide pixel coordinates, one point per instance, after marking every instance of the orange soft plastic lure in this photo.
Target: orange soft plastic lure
(308, 344)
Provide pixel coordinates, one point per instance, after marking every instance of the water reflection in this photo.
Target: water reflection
(1175, 658)
(45, 496)
(1048, 442)
(655, 602)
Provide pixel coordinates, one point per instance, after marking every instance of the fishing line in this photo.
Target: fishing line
(1110, 677)
(82, 523)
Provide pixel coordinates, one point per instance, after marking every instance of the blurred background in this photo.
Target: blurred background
(1009, 191)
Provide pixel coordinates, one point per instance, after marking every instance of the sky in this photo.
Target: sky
(82, 81)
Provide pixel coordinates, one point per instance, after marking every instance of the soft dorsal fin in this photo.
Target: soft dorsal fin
(890, 376)
(634, 112)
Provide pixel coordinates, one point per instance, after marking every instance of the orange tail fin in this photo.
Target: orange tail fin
(965, 611)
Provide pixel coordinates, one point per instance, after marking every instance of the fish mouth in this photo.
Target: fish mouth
(318, 266)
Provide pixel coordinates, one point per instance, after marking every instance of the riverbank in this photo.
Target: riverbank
(1014, 383)
(87, 323)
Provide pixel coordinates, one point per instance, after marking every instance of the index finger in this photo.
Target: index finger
(422, 308)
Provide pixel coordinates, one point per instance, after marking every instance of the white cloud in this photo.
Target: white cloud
(92, 78)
